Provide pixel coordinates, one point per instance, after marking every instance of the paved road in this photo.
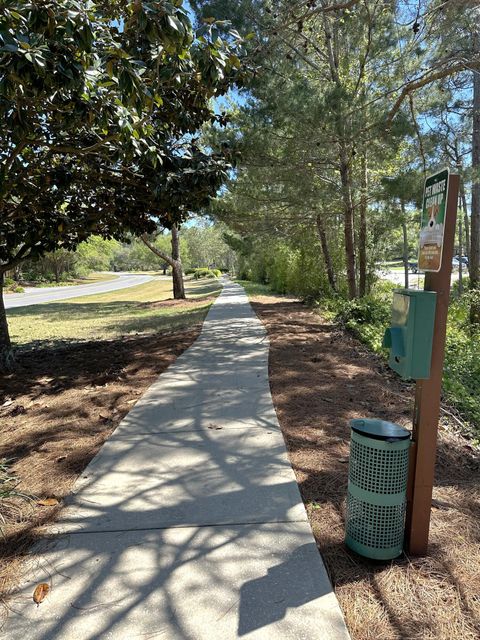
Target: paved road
(188, 524)
(39, 296)
(415, 280)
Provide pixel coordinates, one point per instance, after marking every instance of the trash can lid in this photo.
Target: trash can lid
(379, 429)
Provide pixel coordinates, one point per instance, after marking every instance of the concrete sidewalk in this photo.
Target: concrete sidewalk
(188, 525)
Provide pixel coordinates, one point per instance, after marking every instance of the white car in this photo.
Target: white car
(457, 260)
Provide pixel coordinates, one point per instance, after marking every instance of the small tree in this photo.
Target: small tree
(193, 178)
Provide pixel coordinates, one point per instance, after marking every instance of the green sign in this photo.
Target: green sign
(433, 221)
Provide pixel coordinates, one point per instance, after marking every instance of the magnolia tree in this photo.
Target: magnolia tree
(99, 103)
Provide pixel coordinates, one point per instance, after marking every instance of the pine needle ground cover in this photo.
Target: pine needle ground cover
(82, 365)
(321, 377)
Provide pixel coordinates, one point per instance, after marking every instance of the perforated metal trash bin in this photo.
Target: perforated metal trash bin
(377, 487)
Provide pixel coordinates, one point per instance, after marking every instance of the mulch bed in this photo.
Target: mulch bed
(56, 411)
(321, 377)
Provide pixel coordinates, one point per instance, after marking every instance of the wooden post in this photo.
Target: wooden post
(428, 394)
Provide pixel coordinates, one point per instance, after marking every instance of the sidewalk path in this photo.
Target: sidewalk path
(188, 525)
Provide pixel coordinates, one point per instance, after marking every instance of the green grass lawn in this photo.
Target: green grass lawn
(109, 315)
(255, 288)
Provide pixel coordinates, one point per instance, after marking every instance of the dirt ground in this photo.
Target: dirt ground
(56, 411)
(321, 378)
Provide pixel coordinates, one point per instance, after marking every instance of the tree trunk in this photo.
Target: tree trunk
(466, 221)
(326, 253)
(460, 253)
(177, 273)
(178, 286)
(331, 41)
(174, 261)
(348, 215)
(405, 243)
(6, 352)
(362, 238)
(474, 259)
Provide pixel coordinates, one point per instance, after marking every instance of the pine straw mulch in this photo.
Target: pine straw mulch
(56, 411)
(321, 377)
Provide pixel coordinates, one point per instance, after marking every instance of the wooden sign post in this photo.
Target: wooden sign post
(428, 392)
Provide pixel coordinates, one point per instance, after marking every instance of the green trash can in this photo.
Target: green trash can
(377, 488)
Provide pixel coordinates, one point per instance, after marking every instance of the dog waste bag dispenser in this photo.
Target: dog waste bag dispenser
(411, 335)
(377, 488)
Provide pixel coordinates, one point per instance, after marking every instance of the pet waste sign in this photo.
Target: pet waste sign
(433, 221)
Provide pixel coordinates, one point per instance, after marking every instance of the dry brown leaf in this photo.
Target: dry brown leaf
(48, 502)
(17, 410)
(41, 592)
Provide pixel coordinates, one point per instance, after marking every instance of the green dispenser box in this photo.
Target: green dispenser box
(411, 335)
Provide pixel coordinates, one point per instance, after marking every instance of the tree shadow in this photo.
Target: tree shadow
(191, 502)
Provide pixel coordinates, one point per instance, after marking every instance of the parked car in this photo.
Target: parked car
(413, 266)
(459, 259)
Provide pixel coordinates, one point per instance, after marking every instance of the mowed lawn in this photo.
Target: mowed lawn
(148, 308)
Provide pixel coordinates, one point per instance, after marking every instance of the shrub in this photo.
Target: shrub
(11, 286)
(455, 293)
(205, 272)
(367, 319)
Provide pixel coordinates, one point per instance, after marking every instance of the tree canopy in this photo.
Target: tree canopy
(98, 101)
(347, 98)
(101, 105)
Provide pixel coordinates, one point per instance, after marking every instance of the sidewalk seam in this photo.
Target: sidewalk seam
(178, 526)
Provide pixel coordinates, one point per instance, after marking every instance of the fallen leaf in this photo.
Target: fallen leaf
(104, 416)
(132, 401)
(60, 458)
(7, 403)
(41, 592)
(48, 502)
(214, 426)
(19, 409)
